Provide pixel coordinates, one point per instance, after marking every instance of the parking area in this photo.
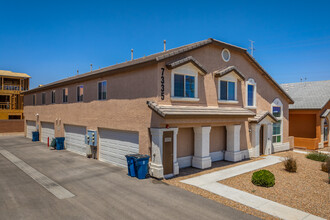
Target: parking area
(102, 191)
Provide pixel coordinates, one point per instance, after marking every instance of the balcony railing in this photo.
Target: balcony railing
(4, 105)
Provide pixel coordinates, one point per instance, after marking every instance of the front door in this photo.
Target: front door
(168, 152)
(261, 140)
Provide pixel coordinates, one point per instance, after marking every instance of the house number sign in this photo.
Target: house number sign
(162, 84)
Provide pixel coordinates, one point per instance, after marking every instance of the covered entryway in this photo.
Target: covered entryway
(115, 144)
(47, 131)
(75, 139)
(168, 152)
(30, 127)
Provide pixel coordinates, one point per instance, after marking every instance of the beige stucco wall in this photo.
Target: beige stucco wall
(185, 142)
(218, 138)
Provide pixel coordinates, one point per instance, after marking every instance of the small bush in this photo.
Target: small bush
(263, 178)
(290, 164)
(326, 165)
(317, 156)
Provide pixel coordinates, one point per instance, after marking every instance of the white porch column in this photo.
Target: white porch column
(202, 157)
(175, 152)
(156, 164)
(321, 144)
(233, 152)
(269, 143)
(255, 131)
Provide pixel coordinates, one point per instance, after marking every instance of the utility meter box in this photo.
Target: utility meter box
(91, 138)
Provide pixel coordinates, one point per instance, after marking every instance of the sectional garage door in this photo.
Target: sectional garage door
(30, 126)
(114, 145)
(75, 139)
(47, 131)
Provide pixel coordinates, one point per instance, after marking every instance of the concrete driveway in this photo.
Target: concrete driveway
(102, 191)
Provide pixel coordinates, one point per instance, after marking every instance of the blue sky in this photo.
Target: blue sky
(50, 40)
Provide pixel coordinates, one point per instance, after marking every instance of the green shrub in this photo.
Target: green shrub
(317, 156)
(263, 178)
(290, 164)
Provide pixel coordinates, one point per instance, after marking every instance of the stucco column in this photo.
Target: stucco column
(255, 131)
(156, 165)
(328, 130)
(233, 152)
(175, 152)
(269, 135)
(321, 144)
(202, 157)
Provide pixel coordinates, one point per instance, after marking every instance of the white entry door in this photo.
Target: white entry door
(114, 145)
(30, 126)
(75, 139)
(47, 131)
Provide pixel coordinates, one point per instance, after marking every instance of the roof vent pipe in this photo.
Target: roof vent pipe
(91, 67)
(132, 54)
(164, 45)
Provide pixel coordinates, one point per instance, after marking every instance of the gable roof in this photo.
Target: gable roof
(261, 115)
(156, 58)
(325, 113)
(185, 60)
(308, 95)
(13, 74)
(225, 71)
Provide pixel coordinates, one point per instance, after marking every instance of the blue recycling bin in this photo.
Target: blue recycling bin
(59, 143)
(35, 135)
(131, 164)
(141, 165)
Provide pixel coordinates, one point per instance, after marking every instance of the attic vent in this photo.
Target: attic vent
(225, 55)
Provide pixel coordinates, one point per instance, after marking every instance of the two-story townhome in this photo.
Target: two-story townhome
(187, 106)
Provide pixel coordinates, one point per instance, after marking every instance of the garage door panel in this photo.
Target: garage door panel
(75, 139)
(114, 145)
(30, 127)
(47, 131)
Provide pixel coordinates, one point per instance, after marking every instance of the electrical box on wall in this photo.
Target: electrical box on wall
(91, 138)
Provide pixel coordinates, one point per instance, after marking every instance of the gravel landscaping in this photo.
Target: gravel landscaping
(187, 173)
(306, 190)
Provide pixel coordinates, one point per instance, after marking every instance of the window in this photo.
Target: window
(53, 97)
(184, 86)
(326, 130)
(34, 99)
(102, 90)
(227, 90)
(251, 93)
(43, 98)
(80, 93)
(277, 111)
(65, 95)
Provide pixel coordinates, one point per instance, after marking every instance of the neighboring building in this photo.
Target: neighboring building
(187, 106)
(11, 99)
(309, 115)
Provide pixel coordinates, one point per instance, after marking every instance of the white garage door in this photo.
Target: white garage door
(30, 126)
(114, 145)
(75, 139)
(47, 131)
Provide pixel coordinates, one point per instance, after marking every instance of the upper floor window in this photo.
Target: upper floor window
(277, 111)
(80, 93)
(34, 99)
(102, 90)
(65, 95)
(184, 86)
(53, 97)
(251, 93)
(43, 98)
(227, 90)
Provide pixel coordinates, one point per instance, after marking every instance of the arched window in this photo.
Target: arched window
(277, 111)
(251, 89)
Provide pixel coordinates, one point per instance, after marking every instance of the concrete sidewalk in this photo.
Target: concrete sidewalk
(210, 183)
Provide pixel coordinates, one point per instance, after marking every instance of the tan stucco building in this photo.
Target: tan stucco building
(187, 106)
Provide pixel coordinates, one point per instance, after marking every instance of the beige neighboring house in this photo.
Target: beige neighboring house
(188, 106)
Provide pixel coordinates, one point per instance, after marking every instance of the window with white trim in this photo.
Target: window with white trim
(102, 90)
(80, 93)
(251, 93)
(184, 86)
(227, 90)
(325, 130)
(277, 111)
